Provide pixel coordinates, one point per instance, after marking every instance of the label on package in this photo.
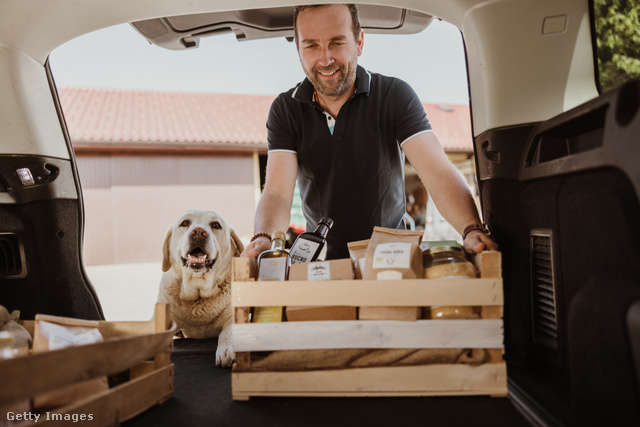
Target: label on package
(303, 251)
(62, 337)
(392, 255)
(319, 271)
(272, 269)
(267, 314)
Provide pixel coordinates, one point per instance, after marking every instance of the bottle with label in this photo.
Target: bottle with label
(273, 265)
(308, 245)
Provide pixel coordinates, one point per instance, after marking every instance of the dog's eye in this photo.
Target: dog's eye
(185, 223)
(216, 225)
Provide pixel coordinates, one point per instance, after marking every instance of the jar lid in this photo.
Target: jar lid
(440, 249)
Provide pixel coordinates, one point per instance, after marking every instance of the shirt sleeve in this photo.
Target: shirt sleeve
(281, 135)
(409, 115)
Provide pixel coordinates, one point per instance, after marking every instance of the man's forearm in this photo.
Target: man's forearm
(455, 202)
(272, 214)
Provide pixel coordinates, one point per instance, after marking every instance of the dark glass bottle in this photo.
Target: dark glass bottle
(309, 244)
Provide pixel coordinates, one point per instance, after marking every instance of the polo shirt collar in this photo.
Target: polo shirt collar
(304, 91)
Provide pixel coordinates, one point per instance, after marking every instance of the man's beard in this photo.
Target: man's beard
(334, 87)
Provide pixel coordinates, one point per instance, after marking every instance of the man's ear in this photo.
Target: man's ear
(360, 42)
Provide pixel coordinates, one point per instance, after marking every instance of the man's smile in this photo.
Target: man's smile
(329, 73)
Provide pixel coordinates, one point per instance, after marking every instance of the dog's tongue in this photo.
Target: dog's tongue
(196, 260)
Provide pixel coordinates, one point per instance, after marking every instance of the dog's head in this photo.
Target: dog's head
(200, 241)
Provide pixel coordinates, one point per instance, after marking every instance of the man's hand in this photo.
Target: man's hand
(256, 247)
(476, 242)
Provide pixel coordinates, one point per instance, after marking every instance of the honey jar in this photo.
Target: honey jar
(448, 262)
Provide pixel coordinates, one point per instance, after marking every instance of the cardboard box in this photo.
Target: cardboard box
(306, 313)
(389, 313)
(338, 269)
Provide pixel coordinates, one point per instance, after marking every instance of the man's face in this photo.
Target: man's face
(328, 49)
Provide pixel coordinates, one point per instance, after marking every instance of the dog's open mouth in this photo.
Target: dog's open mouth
(197, 259)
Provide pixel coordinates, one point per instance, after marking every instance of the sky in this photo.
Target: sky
(432, 62)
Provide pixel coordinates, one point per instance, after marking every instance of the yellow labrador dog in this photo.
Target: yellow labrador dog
(196, 282)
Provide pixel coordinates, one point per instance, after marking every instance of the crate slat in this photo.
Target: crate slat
(120, 403)
(425, 380)
(367, 334)
(489, 263)
(409, 292)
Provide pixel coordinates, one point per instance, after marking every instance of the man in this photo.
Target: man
(343, 133)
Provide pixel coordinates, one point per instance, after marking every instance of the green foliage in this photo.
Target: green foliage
(618, 28)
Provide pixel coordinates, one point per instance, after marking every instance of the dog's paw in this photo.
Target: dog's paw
(225, 356)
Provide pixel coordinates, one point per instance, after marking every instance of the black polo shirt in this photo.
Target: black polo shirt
(355, 175)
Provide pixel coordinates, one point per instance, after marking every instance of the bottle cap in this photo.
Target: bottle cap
(326, 221)
(279, 235)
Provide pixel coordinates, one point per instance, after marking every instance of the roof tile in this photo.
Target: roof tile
(121, 116)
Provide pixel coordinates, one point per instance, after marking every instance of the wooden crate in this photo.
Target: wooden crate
(140, 350)
(488, 378)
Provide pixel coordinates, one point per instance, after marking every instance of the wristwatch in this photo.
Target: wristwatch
(480, 227)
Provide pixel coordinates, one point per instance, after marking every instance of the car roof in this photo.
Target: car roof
(185, 31)
(528, 60)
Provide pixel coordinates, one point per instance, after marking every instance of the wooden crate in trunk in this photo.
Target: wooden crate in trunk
(253, 340)
(134, 355)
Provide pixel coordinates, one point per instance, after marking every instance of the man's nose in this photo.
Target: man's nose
(326, 57)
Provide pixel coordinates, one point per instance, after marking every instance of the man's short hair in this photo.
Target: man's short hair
(353, 9)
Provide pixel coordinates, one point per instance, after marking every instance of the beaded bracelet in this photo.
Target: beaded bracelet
(255, 236)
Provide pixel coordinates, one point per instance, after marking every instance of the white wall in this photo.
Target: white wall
(131, 200)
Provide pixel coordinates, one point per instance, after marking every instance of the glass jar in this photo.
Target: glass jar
(7, 349)
(448, 262)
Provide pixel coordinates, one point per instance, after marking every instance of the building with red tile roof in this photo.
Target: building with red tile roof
(145, 157)
(138, 119)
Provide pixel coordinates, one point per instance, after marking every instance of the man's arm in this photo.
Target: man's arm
(447, 188)
(274, 209)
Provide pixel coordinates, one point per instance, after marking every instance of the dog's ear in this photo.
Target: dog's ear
(236, 243)
(166, 251)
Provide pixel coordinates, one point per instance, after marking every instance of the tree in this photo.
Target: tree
(618, 41)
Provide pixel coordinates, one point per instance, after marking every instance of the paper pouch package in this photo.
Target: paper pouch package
(392, 255)
(338, 269)
(358, 253)
(52, 333)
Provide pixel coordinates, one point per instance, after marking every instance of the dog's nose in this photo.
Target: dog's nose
(199, 233)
